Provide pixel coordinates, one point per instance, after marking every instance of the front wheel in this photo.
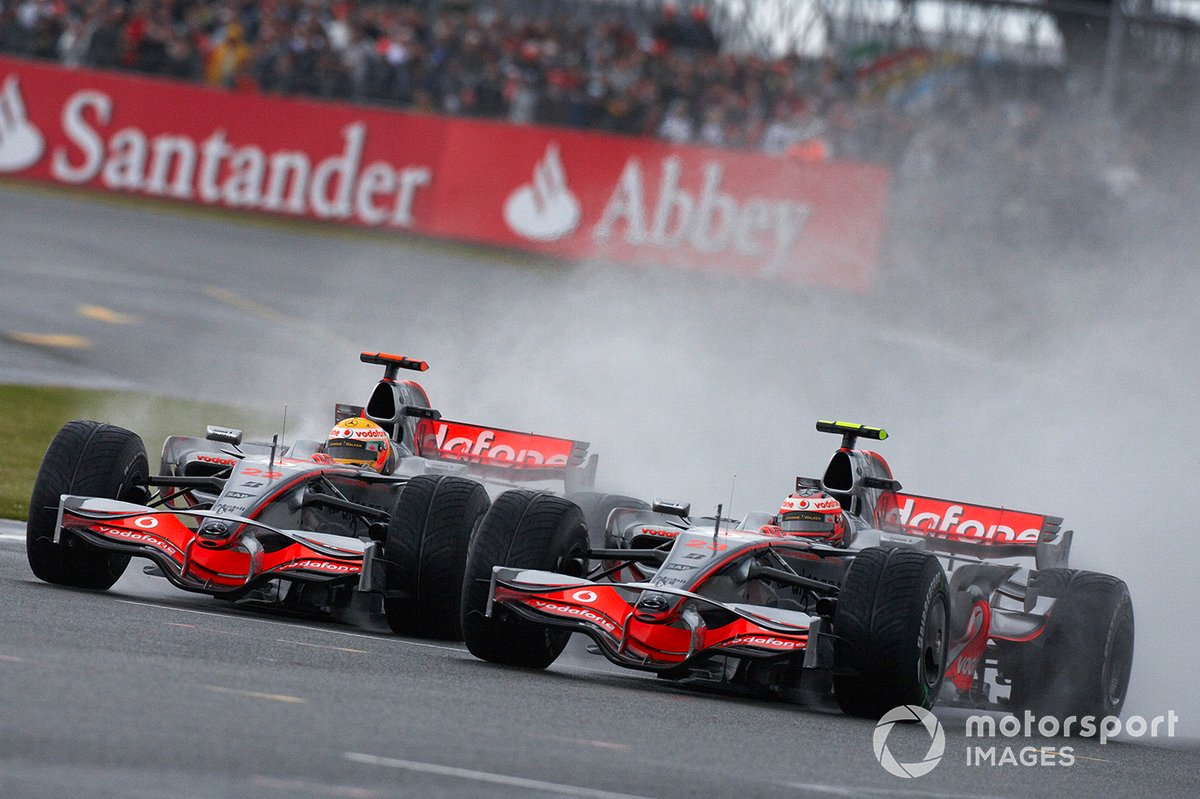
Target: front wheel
(526, 530)
(86, 459)
(890, 632)
(425, 553)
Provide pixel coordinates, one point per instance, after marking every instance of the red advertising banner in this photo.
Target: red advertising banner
(567, 193)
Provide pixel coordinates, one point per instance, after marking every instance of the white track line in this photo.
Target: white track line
(487, 776)
(858, 790)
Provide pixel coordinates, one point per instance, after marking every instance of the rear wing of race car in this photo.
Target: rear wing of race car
(987, 530)
(464, 442)
(494, 446)
(402, 408)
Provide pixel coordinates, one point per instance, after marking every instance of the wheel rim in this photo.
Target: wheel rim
(933, 653)
(573, 562)
(1120, 663)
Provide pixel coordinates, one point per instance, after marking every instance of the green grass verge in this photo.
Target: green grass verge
(33, 414)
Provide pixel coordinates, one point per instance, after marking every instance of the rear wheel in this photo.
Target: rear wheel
(86, 459)
(425, 552)
(890, 632)
(527, 530)
(1082, 663)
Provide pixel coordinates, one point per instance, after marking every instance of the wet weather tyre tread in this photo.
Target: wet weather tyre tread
(528, 530)
(90, 459)
(881, 613)
(1083, 664)
(425, 554)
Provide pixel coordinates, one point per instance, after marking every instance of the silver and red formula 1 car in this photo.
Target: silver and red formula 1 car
(286, 525)
(921, 598)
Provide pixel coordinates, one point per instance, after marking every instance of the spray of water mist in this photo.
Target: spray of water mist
(1054, 383)
(1071, 399)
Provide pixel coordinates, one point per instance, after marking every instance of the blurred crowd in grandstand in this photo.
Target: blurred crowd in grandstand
(670, 80)
(927, 115)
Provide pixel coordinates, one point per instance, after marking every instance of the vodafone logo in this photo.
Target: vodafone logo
(141, 538)
(216, 460)
(21, 143)
(767, 642)
(545, 209)
(323, 566)
(580, 613)
(658, 532)
(932, 517)
(493, 445)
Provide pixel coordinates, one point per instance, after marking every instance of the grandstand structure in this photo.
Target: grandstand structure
(1106, 34)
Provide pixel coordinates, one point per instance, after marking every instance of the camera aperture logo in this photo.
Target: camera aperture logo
(983, 732)
(909, 714)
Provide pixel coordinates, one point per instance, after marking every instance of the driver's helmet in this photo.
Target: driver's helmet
(811, 513)
(360, 442)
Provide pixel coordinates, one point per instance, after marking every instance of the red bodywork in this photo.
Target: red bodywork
(195, 563)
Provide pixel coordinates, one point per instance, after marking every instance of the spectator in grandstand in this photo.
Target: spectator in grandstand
(12, 32)
(677, 127)
(43, 28)
(699, 35)
(230, 56)
(712, 129)
(107, 42)
(671, 32)
(791, 123)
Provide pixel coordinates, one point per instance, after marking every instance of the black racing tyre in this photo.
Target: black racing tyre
(890, 632)
(527, 530)
(1081, 664)
(425, 552)
(87, 459)
(596, 507)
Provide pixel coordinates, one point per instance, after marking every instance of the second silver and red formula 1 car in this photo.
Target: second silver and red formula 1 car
(915, 599)
(287, 525)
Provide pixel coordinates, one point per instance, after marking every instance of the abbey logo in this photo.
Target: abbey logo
(649, 211)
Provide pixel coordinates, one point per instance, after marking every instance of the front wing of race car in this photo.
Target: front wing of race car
(649, 639)
(218, 554)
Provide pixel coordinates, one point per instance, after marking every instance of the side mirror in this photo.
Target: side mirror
(417, 412)
(884, 483)
(680, 509)
(226, 435)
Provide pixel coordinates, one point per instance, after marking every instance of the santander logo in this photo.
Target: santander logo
(210, 167)
(544, 210)
(21, 143)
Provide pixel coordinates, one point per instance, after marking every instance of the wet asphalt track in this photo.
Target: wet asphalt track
(145, 691)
